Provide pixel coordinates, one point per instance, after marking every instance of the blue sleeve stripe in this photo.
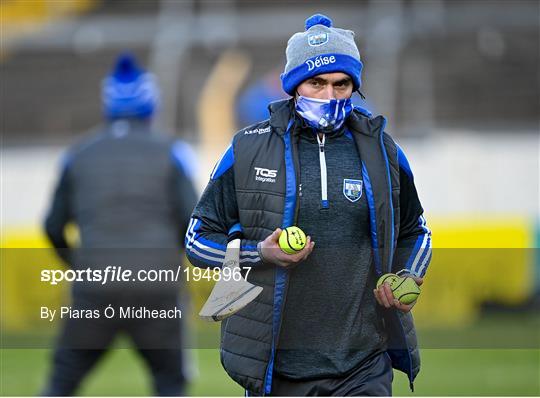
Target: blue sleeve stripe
(210, 250)
(204, 258)
(249, 256)
(419, 242)
(193, 236)
(248, 253)
(249, 248)
(424, 248)
(189, 231)
(424, 226)
(421, 253)
(249, 260)
(198, 249)
(414, 252)
(190, 235)
(209, 243)
(224, 164)
(425, 255)
(422, 270)
(403, 162)
(205, 255)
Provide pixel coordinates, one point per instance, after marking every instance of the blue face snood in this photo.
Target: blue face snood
(324, 115)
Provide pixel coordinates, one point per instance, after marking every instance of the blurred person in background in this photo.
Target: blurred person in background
(129, 190)
(252, 104)
(320, 326)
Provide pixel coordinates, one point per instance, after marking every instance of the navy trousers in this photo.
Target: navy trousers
(373, 377)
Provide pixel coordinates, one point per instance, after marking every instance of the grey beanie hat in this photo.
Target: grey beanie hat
(320, 49)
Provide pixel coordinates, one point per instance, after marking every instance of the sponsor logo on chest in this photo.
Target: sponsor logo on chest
(258, 131)
(265, 175)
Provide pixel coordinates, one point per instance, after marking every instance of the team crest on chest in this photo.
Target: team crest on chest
(352, 189)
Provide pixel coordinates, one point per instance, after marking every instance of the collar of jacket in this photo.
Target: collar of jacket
(281, 112)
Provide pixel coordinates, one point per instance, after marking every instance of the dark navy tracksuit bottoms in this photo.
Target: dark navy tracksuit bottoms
(373, 377)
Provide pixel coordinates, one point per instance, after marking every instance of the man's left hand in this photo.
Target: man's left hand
(384, 296)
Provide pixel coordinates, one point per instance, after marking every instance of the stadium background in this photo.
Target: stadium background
(458, 81)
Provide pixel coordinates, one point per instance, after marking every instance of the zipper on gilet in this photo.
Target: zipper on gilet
(322, 163)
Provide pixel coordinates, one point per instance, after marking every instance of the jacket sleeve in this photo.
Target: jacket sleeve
(60, 214)
(413, 249)
(184, 195)
(215, 217)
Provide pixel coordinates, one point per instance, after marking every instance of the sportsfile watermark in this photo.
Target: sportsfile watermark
(112, 273)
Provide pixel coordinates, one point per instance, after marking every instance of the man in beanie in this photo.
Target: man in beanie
(320, 326)
(129, 190)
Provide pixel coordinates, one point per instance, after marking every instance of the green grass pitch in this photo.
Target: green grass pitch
(444, 372)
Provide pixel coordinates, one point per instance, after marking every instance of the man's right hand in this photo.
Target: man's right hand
(272, 253)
